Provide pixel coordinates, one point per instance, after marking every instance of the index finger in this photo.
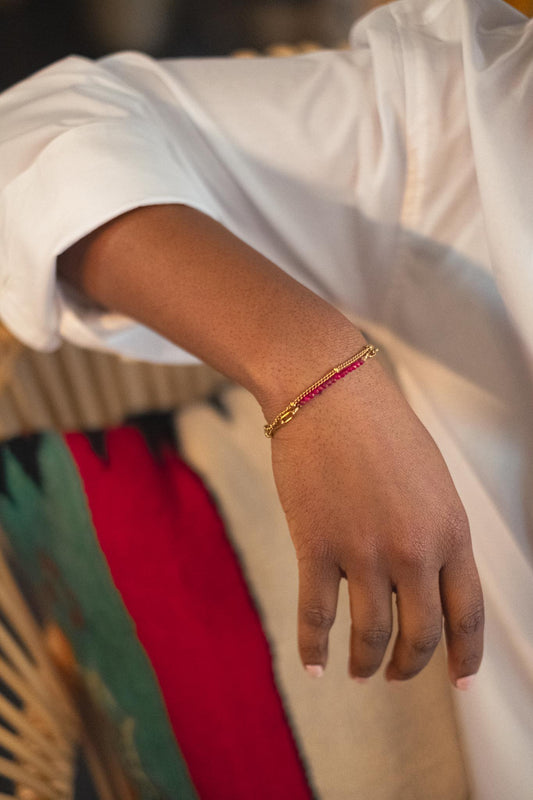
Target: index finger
(317, 606)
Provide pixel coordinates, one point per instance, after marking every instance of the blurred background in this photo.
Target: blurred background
(33, 33)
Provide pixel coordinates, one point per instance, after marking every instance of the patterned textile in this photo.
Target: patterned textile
(123, 546)
(179, 602)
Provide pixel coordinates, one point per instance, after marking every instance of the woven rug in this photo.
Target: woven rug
(159, 552)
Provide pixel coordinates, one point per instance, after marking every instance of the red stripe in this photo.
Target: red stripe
(180, 581)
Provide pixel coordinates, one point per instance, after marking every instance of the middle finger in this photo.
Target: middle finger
(420, 625)
(371, 612)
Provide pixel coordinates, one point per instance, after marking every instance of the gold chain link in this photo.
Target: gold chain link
(289, 411)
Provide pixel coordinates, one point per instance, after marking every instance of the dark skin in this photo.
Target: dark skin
(367, 495)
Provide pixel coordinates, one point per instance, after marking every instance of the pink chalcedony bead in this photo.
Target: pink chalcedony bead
(338, 375)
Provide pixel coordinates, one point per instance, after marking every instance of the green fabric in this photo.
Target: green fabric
(52, 535)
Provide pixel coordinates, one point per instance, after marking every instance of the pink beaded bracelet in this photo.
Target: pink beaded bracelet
(316, 388)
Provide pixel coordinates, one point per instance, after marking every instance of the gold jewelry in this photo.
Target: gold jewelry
(316, 388)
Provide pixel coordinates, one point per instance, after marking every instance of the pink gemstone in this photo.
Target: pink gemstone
(337, 376)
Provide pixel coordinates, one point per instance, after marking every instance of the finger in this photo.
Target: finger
(462, 601)
(420, 625)
(317, 607)
(371, 612)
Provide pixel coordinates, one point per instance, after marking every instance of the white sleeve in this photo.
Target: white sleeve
(300, 157)
(77, 148)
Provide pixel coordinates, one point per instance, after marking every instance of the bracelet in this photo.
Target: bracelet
(316, 388)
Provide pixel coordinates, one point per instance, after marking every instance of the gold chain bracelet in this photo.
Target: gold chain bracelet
(316, 388)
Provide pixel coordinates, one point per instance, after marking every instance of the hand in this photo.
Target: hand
(368, 497)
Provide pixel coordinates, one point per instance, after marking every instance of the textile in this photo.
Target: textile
(413, 148)
(160, 550)
(119, 542)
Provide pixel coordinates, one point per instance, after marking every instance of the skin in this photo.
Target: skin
(367, 495)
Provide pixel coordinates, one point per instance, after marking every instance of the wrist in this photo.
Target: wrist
(295, 362)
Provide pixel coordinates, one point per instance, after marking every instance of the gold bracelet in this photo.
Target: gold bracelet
(316, 388)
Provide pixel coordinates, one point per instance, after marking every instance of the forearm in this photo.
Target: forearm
(181, 273)
(366, 493)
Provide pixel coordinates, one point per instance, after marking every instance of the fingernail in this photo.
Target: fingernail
(315, 670)
(357, 679)
(464, 683)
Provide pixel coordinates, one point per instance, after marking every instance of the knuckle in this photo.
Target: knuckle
(470, 623)
(313, 549)
(376, 638)
(409, 545)
(425, 642)
(411, 557)
(317, 617)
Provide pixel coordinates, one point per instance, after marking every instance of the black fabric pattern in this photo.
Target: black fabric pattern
(26, 450)
(158, 431)
(216, 401)
(98, 442)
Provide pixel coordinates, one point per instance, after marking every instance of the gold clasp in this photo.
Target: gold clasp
(371, 352)
(281, 419)
(287, 415)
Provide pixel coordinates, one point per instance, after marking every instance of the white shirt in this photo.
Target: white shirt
(395, 179)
